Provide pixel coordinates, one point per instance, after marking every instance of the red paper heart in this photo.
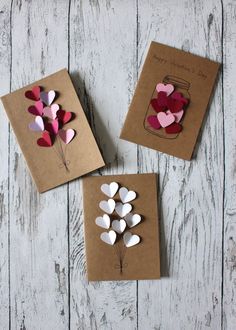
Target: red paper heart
(34, 94)
(173, 128)
(36, 109)
(154, 122)
(178, 96)
(156, 107)
(45, 140)
(174, 105)
(64, 116)
(52, 127)
(162, 99)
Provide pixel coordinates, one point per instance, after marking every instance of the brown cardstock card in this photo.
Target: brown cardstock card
(193, 76)
(45, 163)
(117, 262)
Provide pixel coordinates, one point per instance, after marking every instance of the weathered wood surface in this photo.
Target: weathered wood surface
(42, 259)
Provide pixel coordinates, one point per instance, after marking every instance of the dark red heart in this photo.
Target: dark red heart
(45, 140)
(34, 94)
(162, 99)
(173, 128)
(154, 122)
(64, 116)
(178, 96)
(36, 109)
(156, 106)
(52, 127)
(174, 105)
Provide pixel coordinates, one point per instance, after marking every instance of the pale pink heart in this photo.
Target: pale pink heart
(66, 135)
(165, 88)
(48, 97)
(51, 112)
(37, 125)
(165, 119)
(178, 115)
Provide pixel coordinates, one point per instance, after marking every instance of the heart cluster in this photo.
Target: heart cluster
(123, 219)
(170, 106)
(49, 118)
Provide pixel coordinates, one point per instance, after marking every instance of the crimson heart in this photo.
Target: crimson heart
(34, 94)
(36, 109)
(64, 116)
(154, 122)
(174, 105)
(173, 128)
(45, 140)
(162, 99)
(156, 106)
(52, 127)
(178, 96)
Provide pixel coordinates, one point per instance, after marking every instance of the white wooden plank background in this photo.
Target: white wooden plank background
(42, 259)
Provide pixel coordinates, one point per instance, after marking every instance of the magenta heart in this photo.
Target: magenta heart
(36, 109)
(165, 119)
(52, 127)
(154, 122)
(51, 112)
(37, 125)
(178, 96)
(178, 115)
(165, 88)
(66, 135)
(48, 97)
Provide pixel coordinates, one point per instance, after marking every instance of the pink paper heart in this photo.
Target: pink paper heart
(66, 135)
(165, 88)
(36, 109)
(165, 119)
(51, 112)
(48, 97)
(37, 125)
(178, 115)
(52, 127)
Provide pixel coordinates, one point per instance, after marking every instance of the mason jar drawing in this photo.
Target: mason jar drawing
(181, 86)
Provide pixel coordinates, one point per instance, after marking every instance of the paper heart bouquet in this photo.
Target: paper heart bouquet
(52, 131)
(120, 222)
(49, 119)
(121, 227)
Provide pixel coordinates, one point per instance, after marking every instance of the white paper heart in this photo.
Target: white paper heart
(119, 225)
(103, 221)
(110, 189)
(109, 237)
(107, 206)
(123, 209)
(126, 195)
(47, 98)
(37, 125)
(132, 219)
(130, 239)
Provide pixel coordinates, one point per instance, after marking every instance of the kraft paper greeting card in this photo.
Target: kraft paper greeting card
(52, 131)
(170, 101)
(121, 227)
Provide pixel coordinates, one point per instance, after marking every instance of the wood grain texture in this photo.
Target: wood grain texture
(189, 295)
(38, 223)
(101, 34)
(5, 58)
(229, 71)
(104, 44)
